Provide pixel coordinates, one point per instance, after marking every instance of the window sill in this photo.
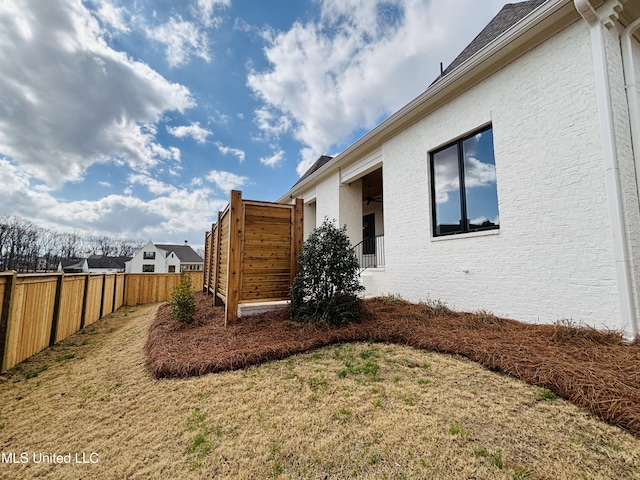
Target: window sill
(482, 233)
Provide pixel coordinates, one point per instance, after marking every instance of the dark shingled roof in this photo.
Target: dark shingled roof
(320, 162)
(510, 14)
(102, 261)
(184, 252)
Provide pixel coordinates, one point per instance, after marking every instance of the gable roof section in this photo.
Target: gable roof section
(510, 14)
(102, 261)
(72, 263)
(319, 163)
(184, 252)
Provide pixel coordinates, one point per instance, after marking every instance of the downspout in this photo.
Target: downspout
(631, 87)
(614, 194)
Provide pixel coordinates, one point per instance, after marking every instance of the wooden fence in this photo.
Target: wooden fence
(251, 253)
(39, 310)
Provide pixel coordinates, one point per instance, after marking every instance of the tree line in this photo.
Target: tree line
(26, 247)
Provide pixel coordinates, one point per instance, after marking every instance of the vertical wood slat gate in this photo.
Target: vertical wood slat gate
(251, 253)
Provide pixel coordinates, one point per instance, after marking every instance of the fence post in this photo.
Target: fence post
(115, 292)
(297, 235)
(84, 300)
(56, 309)
(5, 316)
(104, 282)
(124, 288)
(216, 261)
(235, 257)
(208, 237)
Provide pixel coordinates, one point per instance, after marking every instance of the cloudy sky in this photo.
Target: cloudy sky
(135, 118)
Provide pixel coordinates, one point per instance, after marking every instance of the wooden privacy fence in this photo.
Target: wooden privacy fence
(251, 253)
(39, 310)
(155, 287)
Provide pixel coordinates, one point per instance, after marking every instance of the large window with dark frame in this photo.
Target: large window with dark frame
(464, 195)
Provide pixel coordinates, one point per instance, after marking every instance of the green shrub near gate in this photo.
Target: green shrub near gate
(327, 287)
(183, 300)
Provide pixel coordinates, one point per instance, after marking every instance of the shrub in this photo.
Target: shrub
(327, 286)
(183, 300)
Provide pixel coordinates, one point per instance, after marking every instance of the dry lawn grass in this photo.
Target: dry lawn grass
(364, 410)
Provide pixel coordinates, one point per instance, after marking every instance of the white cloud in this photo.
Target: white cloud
(112, 16)
(71, 100)
(152, 184)
(226, 181)
(272, 122)
(182, 39)
(231, 151)
(194, 130)
(360, 62)
(165, 217)
(206, 9)
(274, 160)
(478, 173)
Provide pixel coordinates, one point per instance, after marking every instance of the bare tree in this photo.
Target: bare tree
(26, 247)
(47, 247)
(18, 245)
(107, 245)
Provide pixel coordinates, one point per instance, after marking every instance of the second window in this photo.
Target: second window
(464, 195)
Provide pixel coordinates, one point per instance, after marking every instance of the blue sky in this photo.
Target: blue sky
(136, 118)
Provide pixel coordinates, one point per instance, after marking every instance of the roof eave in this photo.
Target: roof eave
(545, 21)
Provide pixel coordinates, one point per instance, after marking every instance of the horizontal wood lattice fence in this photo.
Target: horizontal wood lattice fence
(39, 310)
(251, 253)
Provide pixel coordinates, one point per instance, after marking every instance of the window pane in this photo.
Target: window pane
(446, 181)
(480, 181)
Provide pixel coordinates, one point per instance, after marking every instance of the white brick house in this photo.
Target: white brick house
(510, 184)
(164, 258)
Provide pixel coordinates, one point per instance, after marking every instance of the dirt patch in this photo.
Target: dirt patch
(590, 368)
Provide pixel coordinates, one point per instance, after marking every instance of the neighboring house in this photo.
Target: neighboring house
(104, 264)
(164, 258)
(94, 264)
(510, 184)
(73, 265)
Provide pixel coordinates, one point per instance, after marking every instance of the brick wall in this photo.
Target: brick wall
(552, 258)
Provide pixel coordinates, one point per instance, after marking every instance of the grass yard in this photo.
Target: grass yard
(351, 410)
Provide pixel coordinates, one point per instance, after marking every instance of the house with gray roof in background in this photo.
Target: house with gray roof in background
(94, 264)
(512, 182)
(164, 258)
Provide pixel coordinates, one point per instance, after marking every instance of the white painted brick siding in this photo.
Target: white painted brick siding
(552, 258)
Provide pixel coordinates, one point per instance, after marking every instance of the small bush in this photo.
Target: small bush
(183, 300)
(436, 308)
(327, 286)
(484, 316)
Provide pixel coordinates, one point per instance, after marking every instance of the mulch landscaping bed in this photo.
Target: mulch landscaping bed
(592, 369)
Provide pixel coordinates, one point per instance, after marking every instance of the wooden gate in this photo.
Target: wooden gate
(251, 253)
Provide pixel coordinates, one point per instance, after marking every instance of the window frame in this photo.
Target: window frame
(464, 228)
(149, 255)
(148, 268)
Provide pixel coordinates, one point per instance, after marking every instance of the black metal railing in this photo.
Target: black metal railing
(370, 252)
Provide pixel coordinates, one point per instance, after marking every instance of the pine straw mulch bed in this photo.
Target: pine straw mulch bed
(590, 368)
